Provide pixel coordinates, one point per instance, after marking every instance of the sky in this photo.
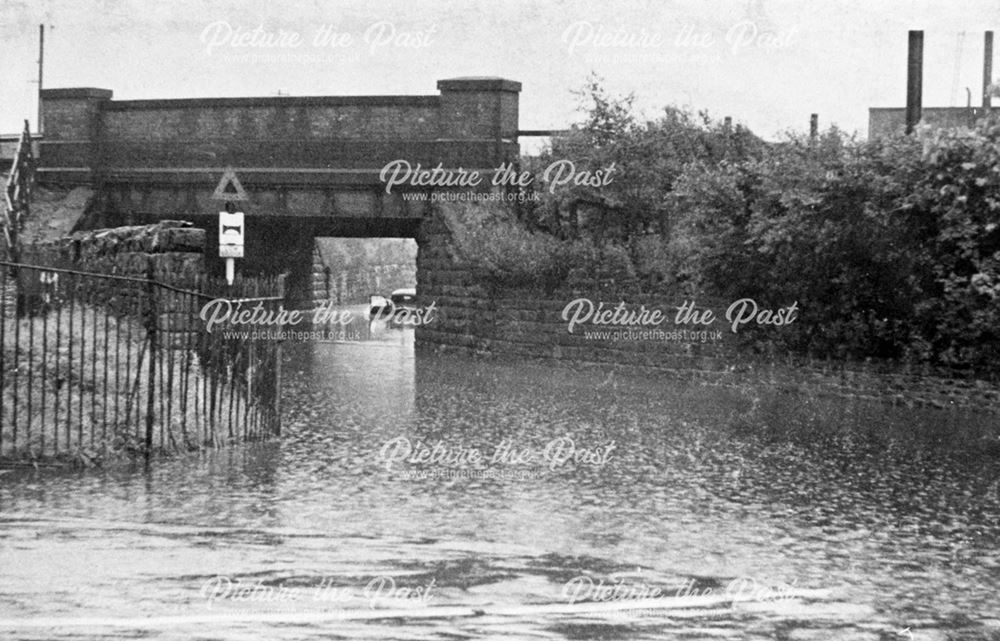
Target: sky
(768, 64)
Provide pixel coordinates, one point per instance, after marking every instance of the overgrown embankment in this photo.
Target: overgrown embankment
(874, 266)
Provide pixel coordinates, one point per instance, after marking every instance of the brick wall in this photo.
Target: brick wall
(472, 124)
(72, 119)
(204, 120)
(354, 285)
(885, 121)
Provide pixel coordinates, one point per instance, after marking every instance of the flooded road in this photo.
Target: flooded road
(409, 482)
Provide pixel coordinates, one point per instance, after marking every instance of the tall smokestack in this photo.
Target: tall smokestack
(914, 79)
(987, 69)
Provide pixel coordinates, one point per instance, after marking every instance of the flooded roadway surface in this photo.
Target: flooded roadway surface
(588, 487)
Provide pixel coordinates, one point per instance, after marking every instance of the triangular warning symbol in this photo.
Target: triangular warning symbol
(229, 187)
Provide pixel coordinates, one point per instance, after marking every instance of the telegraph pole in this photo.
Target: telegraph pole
(41, 60)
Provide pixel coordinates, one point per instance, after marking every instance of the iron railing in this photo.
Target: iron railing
(94, 365)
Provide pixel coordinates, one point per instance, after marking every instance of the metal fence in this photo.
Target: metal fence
(17, 189)
(96, 365)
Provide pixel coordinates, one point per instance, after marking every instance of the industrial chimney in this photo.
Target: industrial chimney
(987, 69)
(914, 79)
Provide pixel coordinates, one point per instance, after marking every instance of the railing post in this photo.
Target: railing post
(277, 364)
(277, 389)
(152, 338)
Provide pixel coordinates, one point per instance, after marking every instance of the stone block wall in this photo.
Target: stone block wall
(356, 284)
(172, 252)
(473, 319)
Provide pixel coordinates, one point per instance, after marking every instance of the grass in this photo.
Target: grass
(83, 398)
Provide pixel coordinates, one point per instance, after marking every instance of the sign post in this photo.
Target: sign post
(231, 232)
(231, 222)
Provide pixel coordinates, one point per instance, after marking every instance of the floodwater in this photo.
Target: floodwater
(589, 487)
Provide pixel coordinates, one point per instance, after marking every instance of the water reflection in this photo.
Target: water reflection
(690, 499)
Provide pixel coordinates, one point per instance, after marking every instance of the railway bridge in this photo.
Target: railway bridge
(310, 166)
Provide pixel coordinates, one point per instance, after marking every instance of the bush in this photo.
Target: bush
(648, 156)
(958, 197)
(891, 248)
(508, 256)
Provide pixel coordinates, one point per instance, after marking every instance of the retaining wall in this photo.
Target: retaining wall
(172, 252)
(474, 319)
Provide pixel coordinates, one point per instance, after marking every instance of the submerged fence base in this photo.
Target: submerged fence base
(95, 366)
